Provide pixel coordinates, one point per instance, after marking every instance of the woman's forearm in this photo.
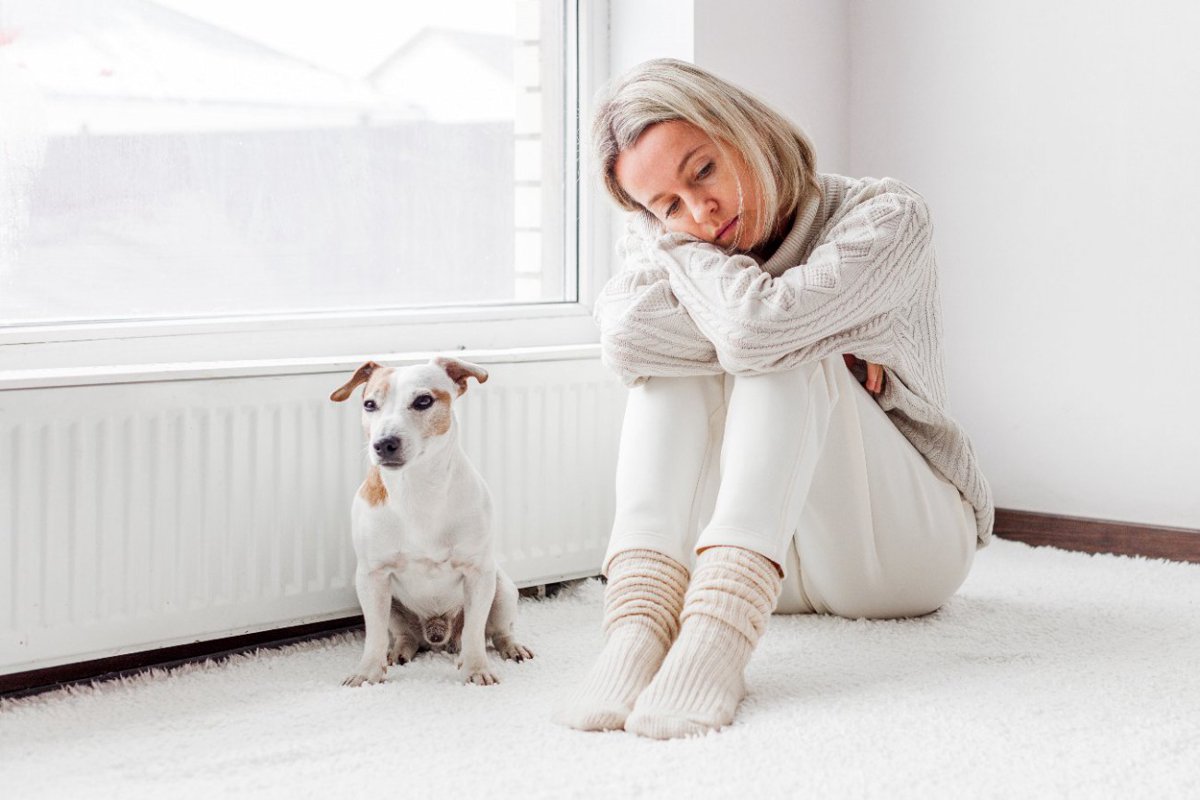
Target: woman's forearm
(644, 332)
(841, 300)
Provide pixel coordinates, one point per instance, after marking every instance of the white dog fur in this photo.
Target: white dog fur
(422, 528)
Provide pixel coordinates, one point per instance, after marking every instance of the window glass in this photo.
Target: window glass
(186, 158)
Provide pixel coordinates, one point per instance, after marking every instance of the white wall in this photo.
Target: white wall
(644, 29)
(1057, 144)
(794, 55)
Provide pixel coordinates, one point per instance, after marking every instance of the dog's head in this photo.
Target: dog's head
(406, 411)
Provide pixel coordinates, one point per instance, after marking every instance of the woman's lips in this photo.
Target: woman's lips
(728, 226)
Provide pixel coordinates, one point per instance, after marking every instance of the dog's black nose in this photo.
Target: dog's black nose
(388, 447)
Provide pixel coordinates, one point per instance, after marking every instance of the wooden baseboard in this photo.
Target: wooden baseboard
(1098, 536)
(36, 681)
(19, 684)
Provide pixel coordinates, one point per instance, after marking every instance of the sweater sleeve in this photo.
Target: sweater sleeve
(861, 271)
(644, 331)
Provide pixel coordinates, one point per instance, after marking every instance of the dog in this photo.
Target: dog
(427, 576)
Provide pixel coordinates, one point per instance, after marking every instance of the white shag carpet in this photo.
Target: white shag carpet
(1049, 674)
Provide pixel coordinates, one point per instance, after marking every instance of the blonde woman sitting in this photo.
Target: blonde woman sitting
(757, 472)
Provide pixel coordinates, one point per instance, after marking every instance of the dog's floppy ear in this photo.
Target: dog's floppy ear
(459, 370)
(361, 375)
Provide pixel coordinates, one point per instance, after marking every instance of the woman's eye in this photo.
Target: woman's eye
(369, 405)
(423, 402)
(705, 171)
(671, 209)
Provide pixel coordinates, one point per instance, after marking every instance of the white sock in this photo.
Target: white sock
(641, 618)
(701, 682)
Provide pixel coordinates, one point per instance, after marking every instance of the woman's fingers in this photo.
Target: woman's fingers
(874, 382)
(874, 378)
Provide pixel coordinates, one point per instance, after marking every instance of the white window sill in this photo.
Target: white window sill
(84, 346)
(191, 371)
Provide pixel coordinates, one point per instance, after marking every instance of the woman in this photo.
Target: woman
(750, 456)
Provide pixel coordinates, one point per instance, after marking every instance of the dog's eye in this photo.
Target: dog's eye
(422, 402)
(370, 405)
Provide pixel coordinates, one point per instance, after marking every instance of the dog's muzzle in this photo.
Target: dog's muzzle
(389, 450)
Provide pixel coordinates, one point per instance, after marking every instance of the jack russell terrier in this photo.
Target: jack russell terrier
(422, 528)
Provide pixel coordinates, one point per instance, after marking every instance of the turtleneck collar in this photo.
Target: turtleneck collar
(800, 240)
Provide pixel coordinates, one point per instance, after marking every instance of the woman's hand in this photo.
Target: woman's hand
(874, 383)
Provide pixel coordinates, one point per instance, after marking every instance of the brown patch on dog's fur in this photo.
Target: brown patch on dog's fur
(373, 490)
(459, 371)
(379, 385)
(438, 420)
(361, 375)
(369, 373)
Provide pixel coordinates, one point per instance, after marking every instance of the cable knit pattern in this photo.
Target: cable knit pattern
(856, 274)
(643, 329)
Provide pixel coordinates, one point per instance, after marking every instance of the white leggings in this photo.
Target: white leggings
(804, 467)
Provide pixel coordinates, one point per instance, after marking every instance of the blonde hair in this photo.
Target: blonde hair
(779, 156)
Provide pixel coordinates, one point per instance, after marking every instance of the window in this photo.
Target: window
(206, 158)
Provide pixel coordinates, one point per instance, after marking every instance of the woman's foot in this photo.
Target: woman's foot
(631, 656)
(700, 684)
(641, 618)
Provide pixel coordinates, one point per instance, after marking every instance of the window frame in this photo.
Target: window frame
(53, 347)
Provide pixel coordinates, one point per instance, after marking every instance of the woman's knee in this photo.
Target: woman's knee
(796, 378)
(702, 392)
(667, 422)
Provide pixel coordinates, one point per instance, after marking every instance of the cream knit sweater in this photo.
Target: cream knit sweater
(856, 274)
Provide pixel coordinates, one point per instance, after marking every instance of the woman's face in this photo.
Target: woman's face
(677, 172)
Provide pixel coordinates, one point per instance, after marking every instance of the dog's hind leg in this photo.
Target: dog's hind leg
(405, 631)
(500, 620)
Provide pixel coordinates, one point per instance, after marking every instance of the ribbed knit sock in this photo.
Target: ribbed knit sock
(641, 618)
(701, 682)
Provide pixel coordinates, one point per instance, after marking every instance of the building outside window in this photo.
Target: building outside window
(175, 159)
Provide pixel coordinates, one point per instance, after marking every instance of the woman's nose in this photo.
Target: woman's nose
(703, 210)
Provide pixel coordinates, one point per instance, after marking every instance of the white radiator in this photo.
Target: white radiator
(160, 508)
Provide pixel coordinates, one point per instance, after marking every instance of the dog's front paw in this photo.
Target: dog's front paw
(477, 672)
(373, 675)
(514, 652)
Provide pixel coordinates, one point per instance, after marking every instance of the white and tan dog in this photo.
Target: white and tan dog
(422, 527)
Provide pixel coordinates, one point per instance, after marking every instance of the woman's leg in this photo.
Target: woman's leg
(666, 467)
(775, 432)
(882, 534)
